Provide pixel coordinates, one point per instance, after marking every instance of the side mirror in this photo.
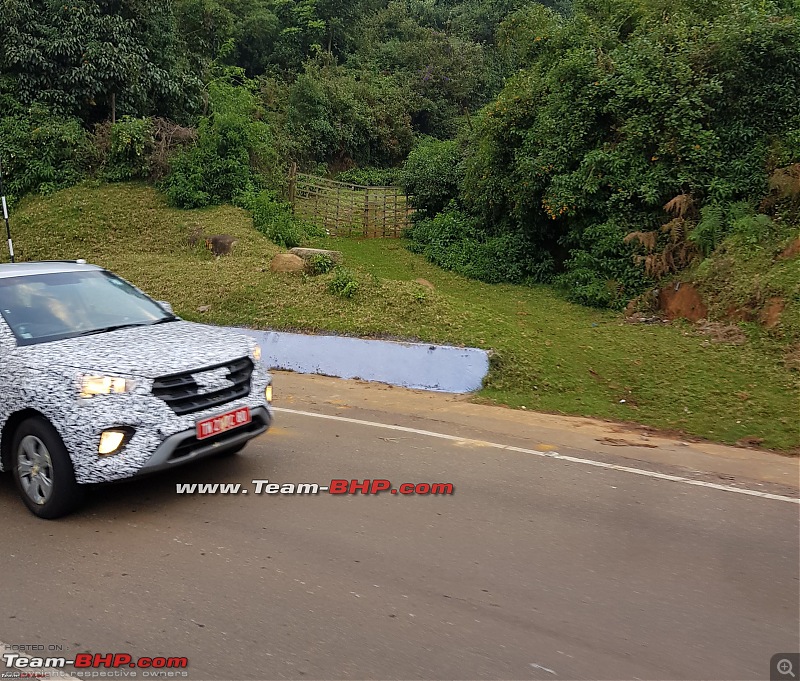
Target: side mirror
(167, 306)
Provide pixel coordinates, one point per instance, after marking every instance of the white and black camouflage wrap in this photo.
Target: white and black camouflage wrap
(46, 377)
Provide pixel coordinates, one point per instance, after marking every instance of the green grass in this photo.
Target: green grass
(742, 278)
(548, 354)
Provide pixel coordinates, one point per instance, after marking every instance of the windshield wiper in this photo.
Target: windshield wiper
(106, 329)
(116, 327)
(173, 318)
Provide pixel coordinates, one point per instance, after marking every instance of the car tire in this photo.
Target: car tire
(233, 451)
(43, 470)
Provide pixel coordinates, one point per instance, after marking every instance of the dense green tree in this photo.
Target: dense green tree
(92, 59)
(617, 110)
(445, 75)
(233, 155)
(337, 117)
(255, 36)
(206, 27)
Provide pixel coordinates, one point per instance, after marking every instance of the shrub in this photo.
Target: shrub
(454, 241)
(130, 149)
(751, 229)
(344, 283)
(232, 156)
(738, 220)
(216, 168)
(370, 177)
(42, 152)
(431, 174)
(334, 115)
(601, 271)
(274, 219)
(319, 263)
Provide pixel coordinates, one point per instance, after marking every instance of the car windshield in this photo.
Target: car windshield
(48, 307)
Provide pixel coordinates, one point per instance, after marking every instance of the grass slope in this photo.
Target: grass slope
(549, 355)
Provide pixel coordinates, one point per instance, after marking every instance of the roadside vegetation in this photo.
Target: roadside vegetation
(548, 354)
(557, 152)
(599, 146)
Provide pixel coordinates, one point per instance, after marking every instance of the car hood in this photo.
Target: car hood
(145, 351)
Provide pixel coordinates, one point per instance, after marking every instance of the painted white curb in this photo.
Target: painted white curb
(440, 368)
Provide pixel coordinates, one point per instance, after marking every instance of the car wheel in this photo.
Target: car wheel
(43, 470)
(233, 451)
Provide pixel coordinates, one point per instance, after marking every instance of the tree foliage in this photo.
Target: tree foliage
(84, 58)
(232, 156)
(615, 111)
(597, 144)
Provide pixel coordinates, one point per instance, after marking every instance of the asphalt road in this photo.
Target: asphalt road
(535, 568)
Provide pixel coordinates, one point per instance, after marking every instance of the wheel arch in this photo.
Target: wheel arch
(9, 428)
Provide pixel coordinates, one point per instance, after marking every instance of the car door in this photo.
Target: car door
(10, 379)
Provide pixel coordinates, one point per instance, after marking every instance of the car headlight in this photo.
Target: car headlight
(105, 385)
(257, 353)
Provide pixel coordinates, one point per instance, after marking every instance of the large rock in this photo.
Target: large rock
(306, 253)
(287, 262)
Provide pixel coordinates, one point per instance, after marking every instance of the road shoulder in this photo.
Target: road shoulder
(599, 440)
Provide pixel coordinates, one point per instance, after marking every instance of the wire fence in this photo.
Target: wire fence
(345, 209)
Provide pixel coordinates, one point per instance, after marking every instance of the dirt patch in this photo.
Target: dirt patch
(791, 359)
(745, 313)
(619, 442)
(719, 332)
(791, 251)
(750, 441)
(684, 302)
(640, 318)
(771, 314)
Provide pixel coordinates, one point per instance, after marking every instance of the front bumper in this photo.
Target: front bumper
(184, 447)
(162, 439)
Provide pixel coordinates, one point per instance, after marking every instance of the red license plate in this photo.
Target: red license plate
(219, 424)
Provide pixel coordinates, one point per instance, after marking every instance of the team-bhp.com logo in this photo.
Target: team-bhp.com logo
(94, 661)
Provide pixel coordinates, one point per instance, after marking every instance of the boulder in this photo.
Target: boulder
(306, 253)
(287, 262)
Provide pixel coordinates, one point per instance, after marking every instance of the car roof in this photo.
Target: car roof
(23, 269)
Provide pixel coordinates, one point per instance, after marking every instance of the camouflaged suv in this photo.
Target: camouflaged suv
(98, 382)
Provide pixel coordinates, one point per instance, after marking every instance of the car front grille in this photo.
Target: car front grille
(185, 395)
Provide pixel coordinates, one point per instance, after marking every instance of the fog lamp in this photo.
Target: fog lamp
(111, 441)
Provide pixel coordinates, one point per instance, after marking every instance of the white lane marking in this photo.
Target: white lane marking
(538, 666)
(549, 455)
